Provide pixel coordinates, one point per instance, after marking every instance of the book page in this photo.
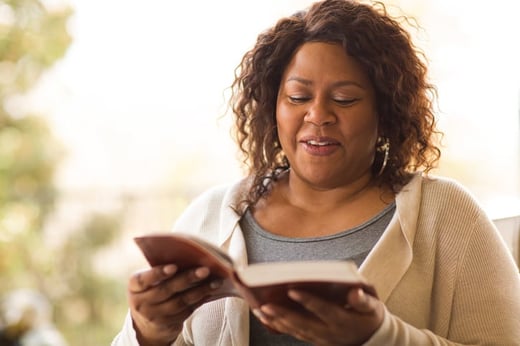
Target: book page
(270, 282)
(271, 273)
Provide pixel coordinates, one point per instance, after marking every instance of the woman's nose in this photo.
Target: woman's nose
(320, 114)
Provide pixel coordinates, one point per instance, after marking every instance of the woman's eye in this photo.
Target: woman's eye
(345, 102)
(298, 99)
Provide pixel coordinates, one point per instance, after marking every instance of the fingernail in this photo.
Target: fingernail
(202, 272)
(169, 269)
(362, 296)
(294, 295)
(267, 310)
(215, 284)
(258, 313)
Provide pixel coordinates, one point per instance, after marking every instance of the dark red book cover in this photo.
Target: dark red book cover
(258, 283)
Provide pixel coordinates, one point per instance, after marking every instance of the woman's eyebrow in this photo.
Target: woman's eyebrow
(299, 80)
(335, 84)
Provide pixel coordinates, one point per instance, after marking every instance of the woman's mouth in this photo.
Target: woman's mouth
(320, 147)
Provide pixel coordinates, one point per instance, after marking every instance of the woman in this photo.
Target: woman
(334, 116)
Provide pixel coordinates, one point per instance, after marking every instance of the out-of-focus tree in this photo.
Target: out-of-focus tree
(88, 300)
(32, 39)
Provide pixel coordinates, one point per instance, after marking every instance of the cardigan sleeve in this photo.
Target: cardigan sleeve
(202, 217)
(127, 336)
(486, 301)
(394, 331)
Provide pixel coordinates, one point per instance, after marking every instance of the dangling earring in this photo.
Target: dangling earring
(383, 146)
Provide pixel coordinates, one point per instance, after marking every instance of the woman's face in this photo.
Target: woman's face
(326, 116)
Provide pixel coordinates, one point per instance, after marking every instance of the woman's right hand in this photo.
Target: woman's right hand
(162, 298)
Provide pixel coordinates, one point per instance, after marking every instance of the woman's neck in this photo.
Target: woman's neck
(305, 196)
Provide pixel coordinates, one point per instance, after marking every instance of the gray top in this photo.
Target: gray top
(352, 244)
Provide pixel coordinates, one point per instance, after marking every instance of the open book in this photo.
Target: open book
(256, 283)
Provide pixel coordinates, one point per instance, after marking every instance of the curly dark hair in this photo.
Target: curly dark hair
(396, 68)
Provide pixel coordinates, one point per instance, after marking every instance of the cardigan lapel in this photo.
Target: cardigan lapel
(230, 237)
(235, 328)
(390, 258)
(229, 212)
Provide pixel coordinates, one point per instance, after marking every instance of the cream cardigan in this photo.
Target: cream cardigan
(441, 268)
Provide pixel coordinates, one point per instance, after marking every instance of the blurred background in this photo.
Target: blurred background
(113, 117)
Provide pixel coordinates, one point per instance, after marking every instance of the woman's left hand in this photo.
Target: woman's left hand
(331, 324)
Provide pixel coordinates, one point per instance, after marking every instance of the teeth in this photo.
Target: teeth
(311, 142)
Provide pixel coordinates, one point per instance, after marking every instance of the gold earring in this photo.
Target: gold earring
(383, 146)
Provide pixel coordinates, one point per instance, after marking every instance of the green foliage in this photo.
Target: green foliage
(28, 158)
(84, 299)
(88, 299)
(32, 39)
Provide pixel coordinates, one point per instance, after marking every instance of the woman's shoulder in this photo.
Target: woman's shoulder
(421, 183)
(206, 212)
(446, 187)
(436, 192)
(448, 195)
(228, 193)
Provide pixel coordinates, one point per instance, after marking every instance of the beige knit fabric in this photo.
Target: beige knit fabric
(441, 268)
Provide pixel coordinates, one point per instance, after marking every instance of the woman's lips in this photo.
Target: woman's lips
(320, 146)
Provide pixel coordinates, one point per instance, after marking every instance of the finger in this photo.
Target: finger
(145, 279)
(158, 293)
(168, 317)
(178, 307)
(291, 322)
(183, 282)
(323, 309)
(192, 298)
(362, 302)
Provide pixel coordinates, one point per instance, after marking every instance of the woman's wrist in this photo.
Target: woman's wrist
(145, 341)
